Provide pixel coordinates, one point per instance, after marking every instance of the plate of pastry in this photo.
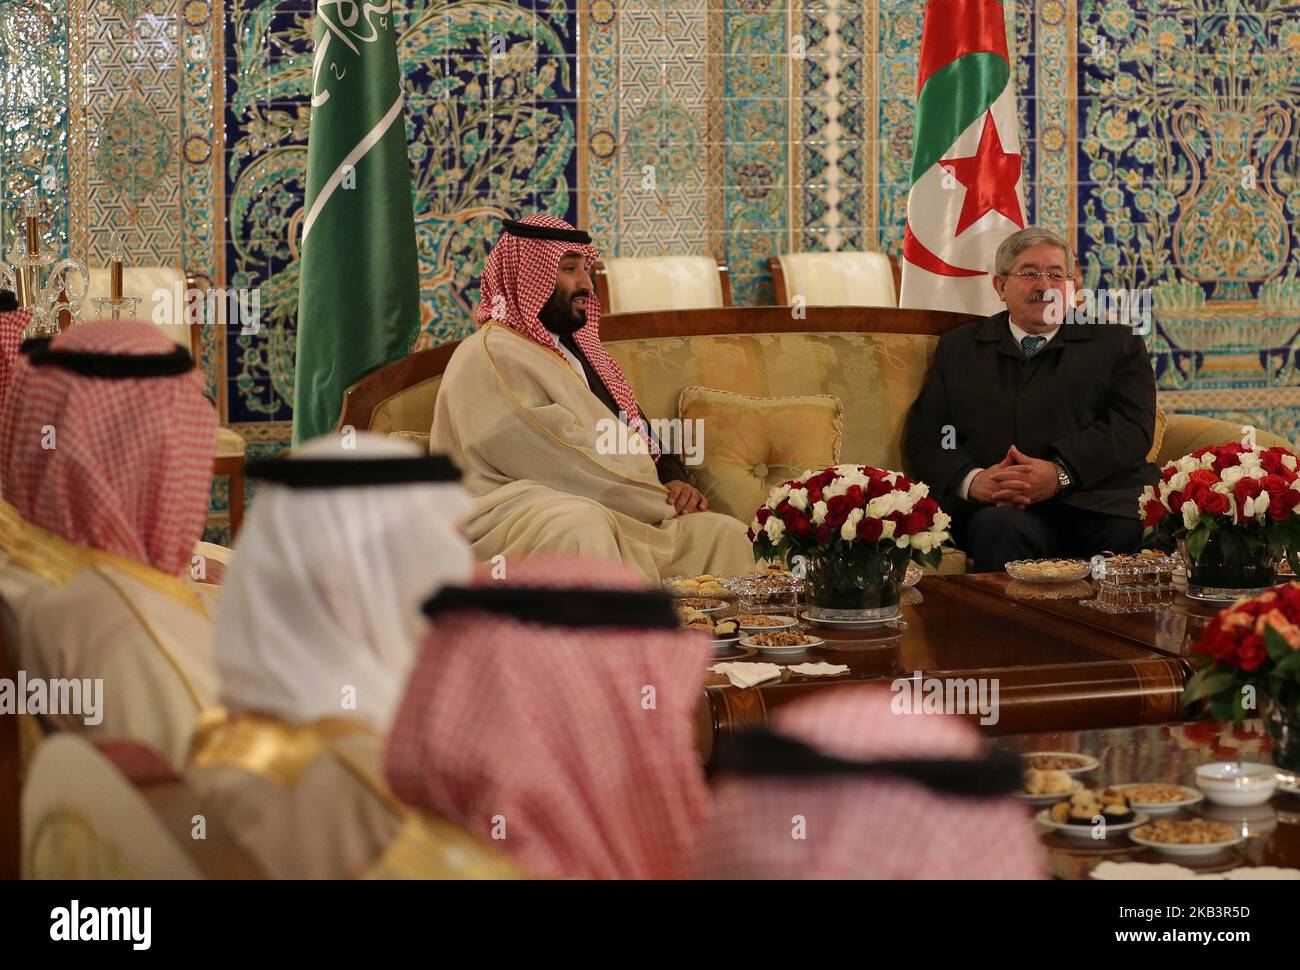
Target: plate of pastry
(1067, 761)
(1046, 787)
(1156, 798)
(724, 632)
(780, 643)
(1048, 570)
(1186, 837)
(1080, 814)
(696, 586)
(763, 622)
(702, 604)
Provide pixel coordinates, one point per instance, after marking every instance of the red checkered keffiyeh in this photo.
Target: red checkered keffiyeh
(12, 325)
(519, 278)
(542, 727)
(131, 466)
(868, 828)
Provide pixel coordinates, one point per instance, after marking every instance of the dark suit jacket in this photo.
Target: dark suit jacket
(1087, 398)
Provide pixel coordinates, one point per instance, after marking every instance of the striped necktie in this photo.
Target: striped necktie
(1029, 345)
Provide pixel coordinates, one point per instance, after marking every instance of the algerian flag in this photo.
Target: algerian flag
(966, 194)
(359, 296)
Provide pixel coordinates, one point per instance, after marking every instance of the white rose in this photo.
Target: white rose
(1247, 459)
(774, 528)
(799, 498)
(903, 542)
(941, 521)
(1261, 504)
(1191, 514)
(1289, 462)
(918, 491)
(923, 542)
(819, 513)
(881, 505)
(887, 529)
(1188, 464)
(1208, 459)
(1255, 471)
(1178, 483)
(854, 517)
(848, 531)
(837, 487)
(779, 495)
(1230, 476)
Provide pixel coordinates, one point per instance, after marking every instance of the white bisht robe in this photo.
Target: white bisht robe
(525, 430)
(85, 613)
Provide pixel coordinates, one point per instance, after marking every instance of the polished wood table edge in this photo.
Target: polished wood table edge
(1044, 607)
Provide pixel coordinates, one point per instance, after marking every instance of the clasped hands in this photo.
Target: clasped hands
(1016, 482)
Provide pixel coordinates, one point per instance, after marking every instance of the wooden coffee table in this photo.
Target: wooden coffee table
(1058, 665)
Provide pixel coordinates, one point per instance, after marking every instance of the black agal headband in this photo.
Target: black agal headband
(111, 366)
(765, 753)
(635, 609)
(353, 472)
(526, 231)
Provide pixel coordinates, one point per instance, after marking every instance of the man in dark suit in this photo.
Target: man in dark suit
(1031, 433)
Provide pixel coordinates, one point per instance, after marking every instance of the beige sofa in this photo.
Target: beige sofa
(873, 359)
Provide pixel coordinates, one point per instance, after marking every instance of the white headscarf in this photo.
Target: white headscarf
(324, 591)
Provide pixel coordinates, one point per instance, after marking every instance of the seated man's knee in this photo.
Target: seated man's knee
(995, 536)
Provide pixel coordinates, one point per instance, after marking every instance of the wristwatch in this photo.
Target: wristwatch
(1062, 477)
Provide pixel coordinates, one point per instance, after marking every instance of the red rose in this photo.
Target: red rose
(854, 494)
(1214, 503)
(1271, 460)
(1168, 472)
(1246, 488)
(927, 507)
(1203, 477)
(1153, 513)
(1279, 510)
(837, 510)
(913, 523)
(814, 493)
(1225, 459)
(902, 483)
(877, 487)
(823, 535)
(869, 529)
(1251, 653)
(1275, 485)
(750, 533)
(797, 523)
(763, 515)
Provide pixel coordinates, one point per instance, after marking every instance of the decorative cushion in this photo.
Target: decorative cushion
(839, 278)
(1162, 420)
(1184, 433)
(752, 444)
(643, 283)
(876, 377)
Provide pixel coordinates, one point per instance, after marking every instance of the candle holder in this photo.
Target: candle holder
(116, 306)
(39, 282)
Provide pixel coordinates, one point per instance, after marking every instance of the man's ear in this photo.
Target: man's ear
(999, 284)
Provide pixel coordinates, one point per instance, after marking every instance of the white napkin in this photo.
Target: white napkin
(1262, 872)
(743, 674)
(820, 669)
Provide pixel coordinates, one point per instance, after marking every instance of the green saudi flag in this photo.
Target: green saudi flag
(359, 293)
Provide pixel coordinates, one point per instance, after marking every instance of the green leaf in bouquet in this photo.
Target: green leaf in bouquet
(1276, 645)
(1221, 708)
(1287, 666)
(1209, 682)
(1196, 540)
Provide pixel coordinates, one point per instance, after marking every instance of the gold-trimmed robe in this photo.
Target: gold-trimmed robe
(526, 432)
(85, 613)
(309, 802)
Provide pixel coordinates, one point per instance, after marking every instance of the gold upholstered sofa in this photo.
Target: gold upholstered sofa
(872, 360)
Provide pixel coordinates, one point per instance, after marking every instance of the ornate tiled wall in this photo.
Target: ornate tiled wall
(1160, 135)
